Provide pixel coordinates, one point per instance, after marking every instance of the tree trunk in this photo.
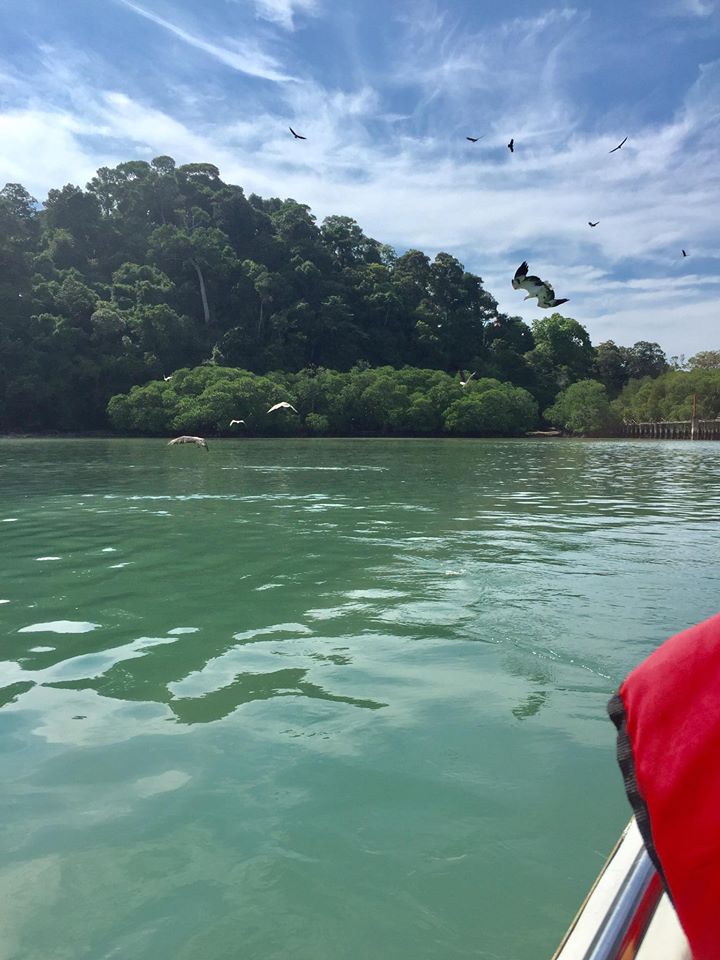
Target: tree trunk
(203, 292)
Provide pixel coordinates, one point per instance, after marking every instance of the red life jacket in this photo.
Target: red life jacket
(667, 713)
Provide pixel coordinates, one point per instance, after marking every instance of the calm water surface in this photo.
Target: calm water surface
(326, 700)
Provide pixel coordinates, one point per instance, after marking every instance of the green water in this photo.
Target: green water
(326, 699)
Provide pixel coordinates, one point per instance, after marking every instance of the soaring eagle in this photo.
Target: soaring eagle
(535, 287)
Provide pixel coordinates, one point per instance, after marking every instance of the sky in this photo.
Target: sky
(386, 91)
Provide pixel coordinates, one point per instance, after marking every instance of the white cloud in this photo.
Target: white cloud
(26, 135)
(424, 185)
(282, 11)
(689, 8)
(246, 58)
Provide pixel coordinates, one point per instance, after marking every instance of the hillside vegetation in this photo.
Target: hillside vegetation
(155, 270)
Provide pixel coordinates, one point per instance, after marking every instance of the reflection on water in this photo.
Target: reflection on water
(186, 768)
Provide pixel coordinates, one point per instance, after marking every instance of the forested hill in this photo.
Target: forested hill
(155, 267)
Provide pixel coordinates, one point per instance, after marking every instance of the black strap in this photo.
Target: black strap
(626, 762)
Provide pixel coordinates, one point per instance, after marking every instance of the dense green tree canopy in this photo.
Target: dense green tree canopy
(705, 360)
(670, 396)
(583, 407)
(155, 268)
(409, 401)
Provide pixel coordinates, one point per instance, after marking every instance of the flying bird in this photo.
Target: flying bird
(535, 287)
(591, 224)
(283, 405)
(236, 421)
(511, 145)
(617, 147)
(298, 136)
(167, 378)
(684, 254)
(198, 440)
(473, 139)
(464, 383)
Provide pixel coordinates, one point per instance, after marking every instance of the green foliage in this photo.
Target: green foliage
(705, 360)
(154, 268)
(491, 408)
(148, 409)
(410, 401)
(317, 424)
(670, 396)
(581, 408)
(562, 354)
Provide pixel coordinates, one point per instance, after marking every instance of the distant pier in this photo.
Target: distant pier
(694, 429)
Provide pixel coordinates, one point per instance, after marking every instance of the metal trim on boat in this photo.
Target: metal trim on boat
(617, 916)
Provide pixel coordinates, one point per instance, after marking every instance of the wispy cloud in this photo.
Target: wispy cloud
(245, 58)
(418, 182)
(689, 8)
(282, 12)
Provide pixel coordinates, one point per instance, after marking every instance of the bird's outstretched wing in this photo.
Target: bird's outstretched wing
(524, 281)
(521, 271)
(200, 441)
(617, 147)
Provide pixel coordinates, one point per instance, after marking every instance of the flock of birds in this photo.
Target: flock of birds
(533, 286)
(202, 442)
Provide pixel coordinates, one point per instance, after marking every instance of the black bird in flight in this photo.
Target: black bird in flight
(473, 139)
(297, 136)
(617, 147)
(511, 145)
(684, 254)
(591, 224)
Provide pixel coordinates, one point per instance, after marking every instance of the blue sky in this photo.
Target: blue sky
(386, 93)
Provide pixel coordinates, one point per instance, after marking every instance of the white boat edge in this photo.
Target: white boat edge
(625, 915)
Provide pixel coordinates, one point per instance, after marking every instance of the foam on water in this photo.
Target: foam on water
(60, 626)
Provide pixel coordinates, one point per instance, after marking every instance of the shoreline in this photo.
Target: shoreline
(530, 435)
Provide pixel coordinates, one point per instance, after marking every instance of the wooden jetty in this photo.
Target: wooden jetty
(693, 429)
